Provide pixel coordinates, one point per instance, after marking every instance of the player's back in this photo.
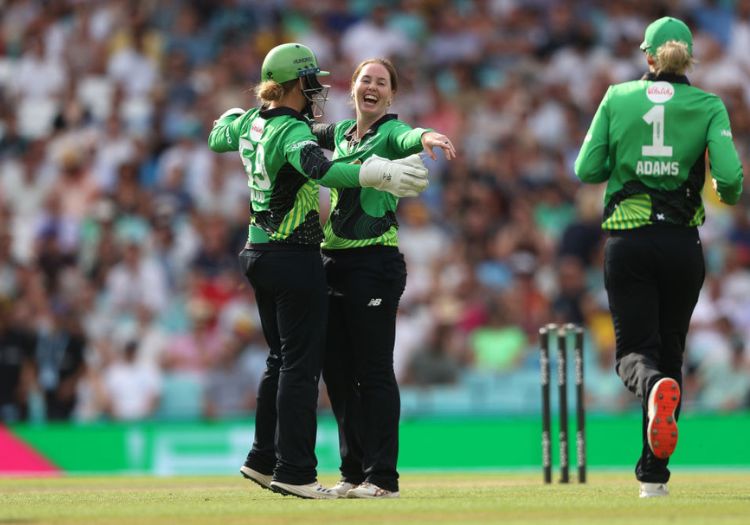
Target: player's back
(658, 130)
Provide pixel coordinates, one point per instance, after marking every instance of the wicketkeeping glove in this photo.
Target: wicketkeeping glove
(405, 177)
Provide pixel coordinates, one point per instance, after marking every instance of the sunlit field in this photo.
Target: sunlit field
(509, 498)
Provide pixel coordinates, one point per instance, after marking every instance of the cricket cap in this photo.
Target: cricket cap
(663, 30)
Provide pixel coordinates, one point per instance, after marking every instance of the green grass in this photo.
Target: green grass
(709, 497)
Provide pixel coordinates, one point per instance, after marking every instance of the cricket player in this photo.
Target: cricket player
(651, 140)
(366, 276)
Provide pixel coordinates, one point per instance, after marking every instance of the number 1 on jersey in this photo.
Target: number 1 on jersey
(655, 117)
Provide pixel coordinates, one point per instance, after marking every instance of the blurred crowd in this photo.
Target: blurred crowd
(120, 292)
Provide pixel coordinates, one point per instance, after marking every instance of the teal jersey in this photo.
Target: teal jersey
(649, 141)
(284, 166)
(365, 216)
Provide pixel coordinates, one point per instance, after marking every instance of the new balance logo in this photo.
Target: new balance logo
(374, 302)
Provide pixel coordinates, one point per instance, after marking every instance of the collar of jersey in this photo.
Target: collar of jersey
(373, 129)
(667, 77)
(276, 112)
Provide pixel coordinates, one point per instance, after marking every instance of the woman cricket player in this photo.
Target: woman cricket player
(366, 276)
(649, 140)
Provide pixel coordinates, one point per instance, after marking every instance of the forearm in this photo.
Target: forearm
(220, 139)
(729, 188)
(409, 142)
(592, 166)
(325, 172)
(726, 170)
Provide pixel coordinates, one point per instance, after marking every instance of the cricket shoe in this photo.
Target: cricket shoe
(662, 424)
(653, 490)
(263, 480)
(342, 487)
(367, 490)
(312, 490)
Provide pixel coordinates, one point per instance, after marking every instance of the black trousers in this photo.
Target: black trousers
(365, 286)
(653, 276)
(291, 294)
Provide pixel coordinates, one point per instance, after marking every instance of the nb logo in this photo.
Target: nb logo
(374, 302)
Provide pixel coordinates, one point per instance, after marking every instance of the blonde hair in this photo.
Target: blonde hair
(271, 91)
(673, 57)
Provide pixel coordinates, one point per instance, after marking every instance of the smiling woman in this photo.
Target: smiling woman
(374, 86)
(366, 276)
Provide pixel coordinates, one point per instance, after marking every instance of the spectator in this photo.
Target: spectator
(433, 363)
(16, 354)
(200, 347)
(725, 382)
(131, 386)
(59, 361)
(136, 280)
(372, 37)
(231, 385)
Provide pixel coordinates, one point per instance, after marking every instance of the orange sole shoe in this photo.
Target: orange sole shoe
(662, 424)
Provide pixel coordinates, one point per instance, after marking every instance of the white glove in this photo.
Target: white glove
(231, 111)
(405, 177)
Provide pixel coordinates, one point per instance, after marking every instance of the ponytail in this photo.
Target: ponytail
(673, 57)
(271, 91)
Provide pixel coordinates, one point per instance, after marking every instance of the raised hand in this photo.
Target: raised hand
(433, 139)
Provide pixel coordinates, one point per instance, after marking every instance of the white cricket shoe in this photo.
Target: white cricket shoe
(367, 490)
(653, 490)
(342, 487)
(662, 424)
(312, 490)
(263, 480)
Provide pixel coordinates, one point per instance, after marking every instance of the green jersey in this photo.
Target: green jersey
(365, 216)
(648, 140)
(284, 166)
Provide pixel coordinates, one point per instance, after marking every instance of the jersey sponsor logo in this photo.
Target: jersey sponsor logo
(726, 133)
(657, 167)
(659, 92)
(256, 129)
(302, 60)
(300, 145)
